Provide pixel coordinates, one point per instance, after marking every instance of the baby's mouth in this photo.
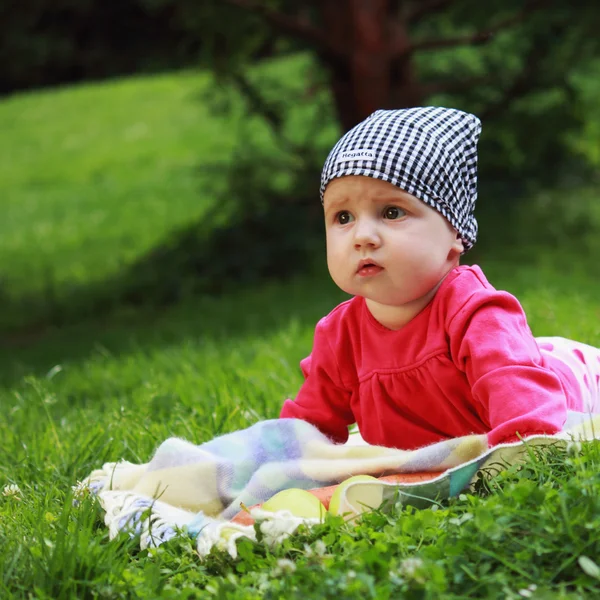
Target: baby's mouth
(367, 268)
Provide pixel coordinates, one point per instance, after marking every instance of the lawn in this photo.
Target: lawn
(95, 176)
(103, 390)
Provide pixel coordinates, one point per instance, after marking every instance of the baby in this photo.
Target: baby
(425, 350)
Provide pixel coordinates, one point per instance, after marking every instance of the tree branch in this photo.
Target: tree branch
(256, 102)
(479, 37)
(524, 82)
(528, 79)
(424, 8)
(474, 39)
(455, 86)
(296, 27)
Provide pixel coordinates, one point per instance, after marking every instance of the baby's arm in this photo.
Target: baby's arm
(322, 400)
(491, 342)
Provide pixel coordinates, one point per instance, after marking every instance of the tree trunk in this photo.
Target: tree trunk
(375, 70)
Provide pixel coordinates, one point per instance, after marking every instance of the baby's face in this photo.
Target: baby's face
(385, 244)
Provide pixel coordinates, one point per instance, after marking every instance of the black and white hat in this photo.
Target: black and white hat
(429, 152)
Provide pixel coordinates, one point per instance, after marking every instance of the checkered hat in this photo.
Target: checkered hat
(429, 152)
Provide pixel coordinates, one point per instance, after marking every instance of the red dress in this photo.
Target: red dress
(467, 363)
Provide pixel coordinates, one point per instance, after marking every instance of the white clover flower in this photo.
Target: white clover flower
(320, 548)
(410, 567)
(12, 490)
(528, 591)
(263, 582)
(81, 490)
(285, 565)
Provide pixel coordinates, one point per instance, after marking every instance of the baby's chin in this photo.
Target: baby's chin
(378, 297)
(380, 293)
(398, 299)
(384, 301)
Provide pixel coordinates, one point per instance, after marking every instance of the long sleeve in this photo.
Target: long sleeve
(322, 399)
(490, 341)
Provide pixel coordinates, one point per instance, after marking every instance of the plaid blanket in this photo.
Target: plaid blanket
(196, 490)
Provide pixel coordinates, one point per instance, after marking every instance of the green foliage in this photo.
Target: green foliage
(554, 227)
(585, 142)
(47, 43)
(530, 84)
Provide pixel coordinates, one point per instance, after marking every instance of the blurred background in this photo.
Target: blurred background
(154, 152)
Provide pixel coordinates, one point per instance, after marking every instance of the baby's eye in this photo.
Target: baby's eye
(343, 217)
(393, 212)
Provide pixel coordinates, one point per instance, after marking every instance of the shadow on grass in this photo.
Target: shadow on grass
(243, 313)
(214, 256)
(236, 271)
(257, 230)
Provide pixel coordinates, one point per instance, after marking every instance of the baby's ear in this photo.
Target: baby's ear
(458, 246)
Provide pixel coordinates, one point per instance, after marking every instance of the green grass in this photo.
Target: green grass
(105, 390)
(90, 394)
(95, 176)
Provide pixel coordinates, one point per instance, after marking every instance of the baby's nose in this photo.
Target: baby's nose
(366, 233)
